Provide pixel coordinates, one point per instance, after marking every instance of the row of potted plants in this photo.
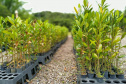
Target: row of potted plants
(26, 37)
(97, 40)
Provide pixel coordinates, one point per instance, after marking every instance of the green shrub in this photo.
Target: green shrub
(97, 38)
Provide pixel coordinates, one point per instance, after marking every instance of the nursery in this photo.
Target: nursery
(97, 42)
(20, 39)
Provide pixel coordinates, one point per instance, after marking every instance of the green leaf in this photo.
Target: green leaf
(11, 48)
(6, 32)
(119, 19)
(97, 14)
(117, 12)
(123, 35)
(10, 52)
(116, 40)
(88, 58)
(94, 56)
(99, 48)
(79, 6)
(107, 49)
(124, 46)
(84, 44)
(121, 56)
(92, 42)
(11, 20)
(86, 15)
(101, 56)
(106, 40)
(78, 23)
(85, 2)
(89, 29)
(114, 55)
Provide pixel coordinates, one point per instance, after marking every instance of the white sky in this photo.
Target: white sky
(67, 6)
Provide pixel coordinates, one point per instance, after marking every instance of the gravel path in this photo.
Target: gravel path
(62, 68)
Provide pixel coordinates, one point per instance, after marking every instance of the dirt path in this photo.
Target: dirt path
(62, 68)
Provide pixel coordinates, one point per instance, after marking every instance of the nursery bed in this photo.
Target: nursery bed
(81, 80)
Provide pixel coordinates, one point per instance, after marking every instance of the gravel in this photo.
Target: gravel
(61, 70)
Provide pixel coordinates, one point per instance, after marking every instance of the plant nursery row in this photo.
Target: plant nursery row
(23, 44)
(97, 43)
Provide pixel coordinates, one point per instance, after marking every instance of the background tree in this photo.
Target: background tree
(12, 5)
(62, 19)
(4, 11)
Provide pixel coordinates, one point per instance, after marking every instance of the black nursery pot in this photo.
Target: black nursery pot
(19, 70)
(8, 70)
(120, 76)
(105, 73)
(112, 76)
(13, 70)
(90, 75)
(84, 76)
(3, 67)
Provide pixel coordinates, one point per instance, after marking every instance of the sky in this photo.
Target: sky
(67, 6)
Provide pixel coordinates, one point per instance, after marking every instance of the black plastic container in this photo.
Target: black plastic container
(120, 76)
(84, 76)
(90, 75)
(112, 76)
(105, 73)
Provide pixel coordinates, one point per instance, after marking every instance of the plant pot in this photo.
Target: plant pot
(8, 70)
(90, 75)
(13, 70)
(120, 76)
(19, 70)
(23, 68)
(84, 76)
(100, 80)
(2, 67)
(27, 65)
(105, 73)
(112, 76)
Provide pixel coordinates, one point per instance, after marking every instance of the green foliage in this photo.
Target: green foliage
(12, 5)
(97, 37)
(28, 37)
(4, 11)
(62, 19)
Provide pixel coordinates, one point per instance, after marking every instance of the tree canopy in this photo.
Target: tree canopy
(4, 11)
(62, 19)
(12, 5)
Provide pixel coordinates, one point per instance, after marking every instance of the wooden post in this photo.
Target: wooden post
(16, 13)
